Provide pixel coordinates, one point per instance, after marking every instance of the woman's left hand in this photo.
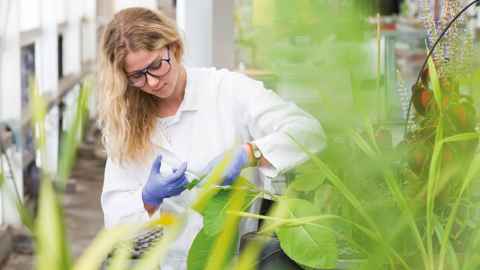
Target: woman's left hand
(237, 160)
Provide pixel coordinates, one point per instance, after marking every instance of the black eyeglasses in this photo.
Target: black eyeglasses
(157, 69)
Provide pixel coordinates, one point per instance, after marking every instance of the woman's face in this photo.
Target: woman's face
(155, 72)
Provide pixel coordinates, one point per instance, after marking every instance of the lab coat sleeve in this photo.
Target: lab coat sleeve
(122, 196)
(273, 122)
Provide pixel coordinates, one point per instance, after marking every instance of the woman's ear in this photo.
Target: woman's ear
(174, 50)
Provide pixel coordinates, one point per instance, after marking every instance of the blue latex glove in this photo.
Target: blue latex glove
(160, 187)
(237, 162)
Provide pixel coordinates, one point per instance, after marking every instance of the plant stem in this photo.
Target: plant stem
(431, 190)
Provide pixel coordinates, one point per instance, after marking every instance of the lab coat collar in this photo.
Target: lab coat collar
(190, 103)
(190, 100)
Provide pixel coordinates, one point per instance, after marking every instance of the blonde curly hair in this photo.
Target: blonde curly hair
(126, 115)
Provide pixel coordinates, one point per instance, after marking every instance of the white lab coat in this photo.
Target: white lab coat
(220, 109)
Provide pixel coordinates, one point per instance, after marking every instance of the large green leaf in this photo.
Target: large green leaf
(307, 178)
(323, 197)
(307, 244)
(219, 236)
(216, 210)
(214, 213)
(201, 250)
(308, 181)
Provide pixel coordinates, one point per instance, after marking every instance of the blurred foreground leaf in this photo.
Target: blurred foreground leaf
(71, 140)
(308, 181)
(2, 178)
(215, 245)
(101, 246)
(52, 248)
(201, 249)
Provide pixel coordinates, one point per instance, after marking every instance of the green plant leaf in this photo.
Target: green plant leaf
(26, 216)
(437, 92)
(156, 253)
(462, 137)
(52, 247)
(306, 244)
(201, 249)
(471, 258)
(209, 189)
(192, 184)
(433, 176)
(214, 213)
(472, 172)
(308, 181)
(38, 109)
(363, 144)
(121, 257)
(229, 234)
(323, 196)
(103, 243)
(454, 264)
(248, 257)
(2, 179)
(219, 230)
(71, 139)
(371, 135)
(339, 184)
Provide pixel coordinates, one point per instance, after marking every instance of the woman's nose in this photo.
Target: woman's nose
(151, 80)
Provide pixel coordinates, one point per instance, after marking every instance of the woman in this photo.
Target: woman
(164, 124)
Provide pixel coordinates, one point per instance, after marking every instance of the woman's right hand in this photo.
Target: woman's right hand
(160, 187)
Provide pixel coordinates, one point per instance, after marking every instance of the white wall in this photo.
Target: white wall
(223, 53)
(29, 14)
(47, 73)
(10, 102)
(89, 31)
(207, 27)
(105, 10)
(60, 7)
(121, 4)
(10, 66)
(72, 45)
(194, 19)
